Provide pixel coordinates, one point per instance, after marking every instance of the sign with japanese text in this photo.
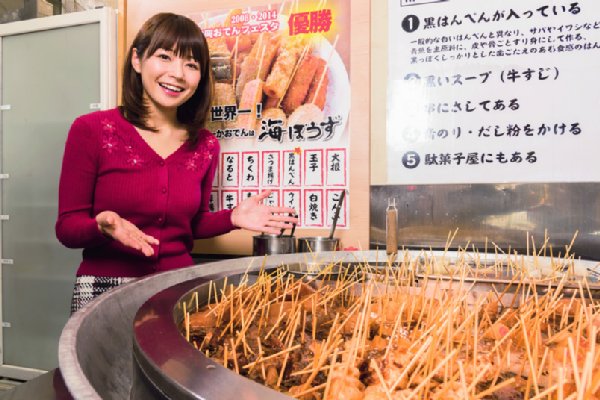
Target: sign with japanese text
(494, 91)
(281, 103)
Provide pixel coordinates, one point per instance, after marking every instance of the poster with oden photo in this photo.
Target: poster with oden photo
(280, 72)
(281, 87)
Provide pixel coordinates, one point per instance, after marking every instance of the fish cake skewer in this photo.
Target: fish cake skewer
(298, 89)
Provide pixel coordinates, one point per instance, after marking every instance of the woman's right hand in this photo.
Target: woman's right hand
(123, 231)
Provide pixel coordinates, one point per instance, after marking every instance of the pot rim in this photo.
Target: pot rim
(272, 236)
(319, 239)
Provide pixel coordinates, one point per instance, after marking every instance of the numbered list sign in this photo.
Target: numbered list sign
(492, 91)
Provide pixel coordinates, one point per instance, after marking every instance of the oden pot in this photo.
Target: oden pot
(317, 244)
(264, 244)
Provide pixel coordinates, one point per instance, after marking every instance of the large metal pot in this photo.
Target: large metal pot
(273, 244)
(95, 368)
(317, 244)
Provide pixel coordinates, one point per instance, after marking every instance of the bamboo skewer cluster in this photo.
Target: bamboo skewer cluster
(378, 334)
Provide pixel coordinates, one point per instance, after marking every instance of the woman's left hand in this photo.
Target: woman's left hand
(251, 214)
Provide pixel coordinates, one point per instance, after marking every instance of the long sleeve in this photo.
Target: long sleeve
(76, 226)
(206, 223)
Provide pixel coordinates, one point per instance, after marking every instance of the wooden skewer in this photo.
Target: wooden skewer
(333, 364)
(278, 354)
(321, 4)
(545, 393)
(476, 337)
(463, 379)
(320, 358)
(186, 322)
(431, 374)
(322, 77)
(210, 286)
(412, 362)
(262, 365)
(187, 326)
(303, 54)
(585, 376)
(568, 249)
(574, 364)
(310, 390)
(381, 380)
(312, 370)
(394, 331)
(234, 354)
(204, 22)
(262, 46)
(493, 389)
(541, 366)
(477, 379)
(533, 370)
(281, 8)
(589, 366)
(235, 56)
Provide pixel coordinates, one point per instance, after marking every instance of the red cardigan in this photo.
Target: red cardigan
(107, 165)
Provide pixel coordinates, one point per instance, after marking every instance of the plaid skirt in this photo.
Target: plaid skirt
(88, 287)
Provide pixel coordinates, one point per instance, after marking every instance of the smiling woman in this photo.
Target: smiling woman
(178, 77)
(169, 53)
(136, 180)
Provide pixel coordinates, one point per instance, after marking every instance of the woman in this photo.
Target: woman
(136, 180)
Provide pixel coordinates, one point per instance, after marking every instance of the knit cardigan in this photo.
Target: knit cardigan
(107, 165)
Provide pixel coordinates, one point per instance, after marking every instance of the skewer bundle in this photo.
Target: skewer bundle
(367, 333)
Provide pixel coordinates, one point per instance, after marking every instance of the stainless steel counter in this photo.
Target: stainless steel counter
(49, 386)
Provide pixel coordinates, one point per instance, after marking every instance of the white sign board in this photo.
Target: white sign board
(493, 91)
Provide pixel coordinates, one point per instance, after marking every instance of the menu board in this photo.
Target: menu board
(281, 105)
(493, 91)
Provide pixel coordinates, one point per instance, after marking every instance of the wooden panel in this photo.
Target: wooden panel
(240, 242)
(122, 44)
(379, 67)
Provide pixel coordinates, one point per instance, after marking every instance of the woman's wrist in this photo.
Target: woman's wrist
(233, 217)
(102, 224)
(103, 231)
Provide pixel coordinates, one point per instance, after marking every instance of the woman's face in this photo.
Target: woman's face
(168, 79)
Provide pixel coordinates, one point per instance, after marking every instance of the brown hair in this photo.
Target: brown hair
(170, 32)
